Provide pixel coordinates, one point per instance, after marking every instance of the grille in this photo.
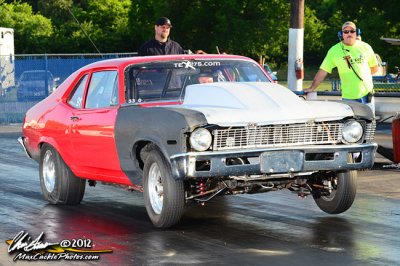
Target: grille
(370, 131)
(277, 136)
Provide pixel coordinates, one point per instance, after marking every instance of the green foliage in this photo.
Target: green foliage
(142, 16)
(32, 32)
(103, 22)
(57, 10)
(313, 37)
(252, 28)
(376, 19)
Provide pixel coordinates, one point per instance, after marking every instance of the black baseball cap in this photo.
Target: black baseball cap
(163, 21)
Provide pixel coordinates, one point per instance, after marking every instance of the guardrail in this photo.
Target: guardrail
(387, 87)
(387, 97)
(380, 85)
(387, 104)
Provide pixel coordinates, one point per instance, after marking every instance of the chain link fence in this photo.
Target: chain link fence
(27, 79)
(381, 84)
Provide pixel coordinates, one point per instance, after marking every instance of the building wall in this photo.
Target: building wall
(7, 70)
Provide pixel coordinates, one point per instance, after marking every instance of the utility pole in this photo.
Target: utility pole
(296, 42)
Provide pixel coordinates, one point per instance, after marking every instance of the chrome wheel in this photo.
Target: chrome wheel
(164, 196)
(156, 189)
(58, 183)
(49, 171)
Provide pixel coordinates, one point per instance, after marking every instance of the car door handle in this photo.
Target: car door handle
(75, 118)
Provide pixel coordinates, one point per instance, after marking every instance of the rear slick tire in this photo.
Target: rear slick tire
(164, 196)
(59, 185)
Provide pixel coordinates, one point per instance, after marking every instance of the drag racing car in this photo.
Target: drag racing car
(151, 124)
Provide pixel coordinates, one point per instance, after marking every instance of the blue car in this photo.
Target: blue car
(31, 85)
(271, 73)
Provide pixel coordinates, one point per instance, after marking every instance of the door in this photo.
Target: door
(92, 130)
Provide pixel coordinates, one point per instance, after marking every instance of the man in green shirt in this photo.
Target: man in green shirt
(355, 61)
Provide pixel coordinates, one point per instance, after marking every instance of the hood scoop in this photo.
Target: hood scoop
(241, 103)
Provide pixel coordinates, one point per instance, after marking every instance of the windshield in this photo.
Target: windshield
(167, 80)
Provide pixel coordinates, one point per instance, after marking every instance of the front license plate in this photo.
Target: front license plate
(281, 161)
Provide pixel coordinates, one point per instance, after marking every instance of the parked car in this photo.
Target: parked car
(32, 85)
(147, 124)
(271, 73)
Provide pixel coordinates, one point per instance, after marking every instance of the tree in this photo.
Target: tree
(250, 28)
(247, 27)
(32, 32)
(376, 19)
(56, 10)
(88, 26)
(142, 15)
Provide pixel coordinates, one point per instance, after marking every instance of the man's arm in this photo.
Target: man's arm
(319, 77)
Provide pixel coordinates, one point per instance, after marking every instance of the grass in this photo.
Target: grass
(309, 73)
(324, 86)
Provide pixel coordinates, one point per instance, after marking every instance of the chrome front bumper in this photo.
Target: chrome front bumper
(293, 160)
(21, 141)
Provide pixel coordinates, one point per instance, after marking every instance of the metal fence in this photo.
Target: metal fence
(336, 85)
(381, 84)
(27, 79)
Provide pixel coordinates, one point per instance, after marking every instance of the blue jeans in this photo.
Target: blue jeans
(360, 100)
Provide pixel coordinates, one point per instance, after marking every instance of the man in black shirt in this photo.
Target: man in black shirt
(161, 44)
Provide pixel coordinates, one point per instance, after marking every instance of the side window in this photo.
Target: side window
(77, 95)
(103, 90)
(150, 83)
(156, 84)
(114, 97)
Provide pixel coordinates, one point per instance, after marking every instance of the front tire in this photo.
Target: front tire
(164, 196)
(59, 185)
(342, 196)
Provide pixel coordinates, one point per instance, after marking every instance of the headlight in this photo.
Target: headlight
(200, 139)
(352, 131)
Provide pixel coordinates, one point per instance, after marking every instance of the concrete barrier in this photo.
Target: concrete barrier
(387, 104)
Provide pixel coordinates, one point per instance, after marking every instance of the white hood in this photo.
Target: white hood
(238, 104)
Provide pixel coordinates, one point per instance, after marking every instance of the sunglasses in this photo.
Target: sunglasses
(348, 31)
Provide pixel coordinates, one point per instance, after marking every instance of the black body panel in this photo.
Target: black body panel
(163, 126)
(360, 110)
